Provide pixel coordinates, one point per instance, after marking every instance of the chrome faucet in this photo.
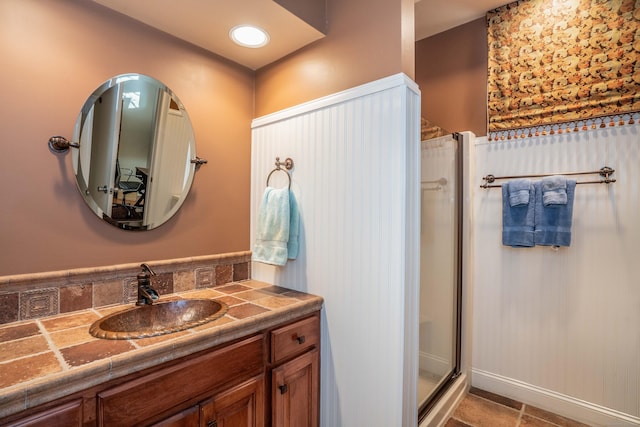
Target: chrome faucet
(146, 294)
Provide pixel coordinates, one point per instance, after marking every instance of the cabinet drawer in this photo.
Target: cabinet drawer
(144, 398)
(295, 338)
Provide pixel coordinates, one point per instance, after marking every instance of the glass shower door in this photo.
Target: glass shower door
(440, 272)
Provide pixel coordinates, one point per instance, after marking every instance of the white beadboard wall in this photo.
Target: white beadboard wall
(561, 329)
(356, 180)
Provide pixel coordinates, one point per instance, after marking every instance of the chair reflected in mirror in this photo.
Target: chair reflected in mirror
(126, 183)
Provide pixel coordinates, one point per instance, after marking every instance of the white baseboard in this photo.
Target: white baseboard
(552, 401)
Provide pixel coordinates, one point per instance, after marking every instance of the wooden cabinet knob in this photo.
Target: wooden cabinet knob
(283, 388)
(300, 338)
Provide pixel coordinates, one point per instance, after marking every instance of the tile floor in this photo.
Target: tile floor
(483, 409)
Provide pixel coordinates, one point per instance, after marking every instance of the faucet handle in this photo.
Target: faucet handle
(145, 267)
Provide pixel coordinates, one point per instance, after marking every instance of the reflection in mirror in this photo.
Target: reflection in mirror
(134, 166)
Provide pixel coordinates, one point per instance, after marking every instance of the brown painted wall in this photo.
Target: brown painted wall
(54, 54)
(451, 70)
(366, 40)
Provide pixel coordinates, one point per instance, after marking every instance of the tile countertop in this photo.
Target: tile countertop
(44, 359)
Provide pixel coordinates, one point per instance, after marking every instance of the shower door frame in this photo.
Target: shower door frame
(444, 385)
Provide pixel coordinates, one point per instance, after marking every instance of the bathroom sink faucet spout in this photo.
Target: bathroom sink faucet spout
(146, 294)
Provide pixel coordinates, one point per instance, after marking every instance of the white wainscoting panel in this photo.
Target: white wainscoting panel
(561, 329)
(356, 180)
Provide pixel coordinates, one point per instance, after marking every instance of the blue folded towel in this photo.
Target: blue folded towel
(277, 227)
(519, 190)
(554, 190)
(518, 221)
(553, 222)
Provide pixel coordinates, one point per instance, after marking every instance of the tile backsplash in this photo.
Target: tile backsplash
(30, 296)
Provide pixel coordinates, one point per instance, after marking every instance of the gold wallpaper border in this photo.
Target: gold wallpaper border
(561, 65)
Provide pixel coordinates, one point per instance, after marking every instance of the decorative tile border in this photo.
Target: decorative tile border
(30, 296)
(39, 303)
(205, 277)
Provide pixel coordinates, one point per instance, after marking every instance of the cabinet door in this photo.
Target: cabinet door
(241, 406)
(134, 402)
(69, 414)
(294, 392)
(190, 417)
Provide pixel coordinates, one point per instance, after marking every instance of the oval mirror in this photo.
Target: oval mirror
(134, 166)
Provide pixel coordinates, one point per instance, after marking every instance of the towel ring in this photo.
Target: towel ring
(276, 170)
(288, 164)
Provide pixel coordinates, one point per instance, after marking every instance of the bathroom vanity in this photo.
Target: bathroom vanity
(259, 370)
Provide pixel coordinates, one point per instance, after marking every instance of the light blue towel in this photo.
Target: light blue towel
(553, 222)
(272, 234)
(294, 227)
(554, 190)
(519, 190)
(518, 221)
(278, 227)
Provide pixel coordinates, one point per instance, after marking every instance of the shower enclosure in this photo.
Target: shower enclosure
(440, 268)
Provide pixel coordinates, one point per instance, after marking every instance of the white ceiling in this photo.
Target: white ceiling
(206, 23)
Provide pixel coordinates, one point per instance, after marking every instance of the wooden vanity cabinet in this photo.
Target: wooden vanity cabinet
(189, 417)
(291, 397)
(294, 399)
(268, 379)
(147, 397)
(64, 415)
(295, 370)
(242, 406)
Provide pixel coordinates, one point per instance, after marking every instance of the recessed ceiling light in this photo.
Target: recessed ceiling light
(249, 36)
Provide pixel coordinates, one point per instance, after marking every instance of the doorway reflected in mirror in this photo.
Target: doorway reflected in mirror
(135, 162)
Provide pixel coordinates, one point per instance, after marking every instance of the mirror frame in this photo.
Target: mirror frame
(80, 156)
